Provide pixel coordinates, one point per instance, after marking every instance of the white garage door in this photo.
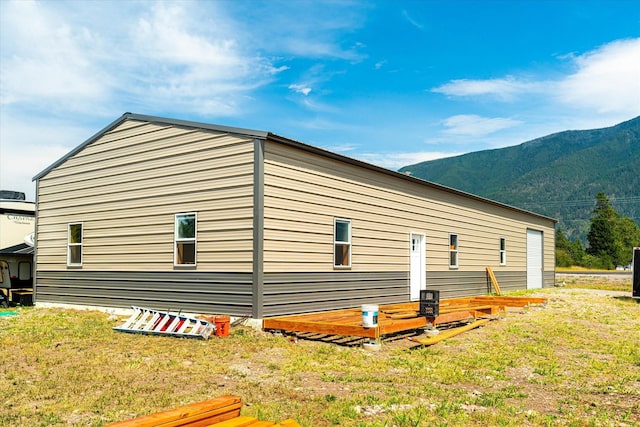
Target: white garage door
(534, 259)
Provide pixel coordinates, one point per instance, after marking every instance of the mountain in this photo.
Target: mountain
(557, 175)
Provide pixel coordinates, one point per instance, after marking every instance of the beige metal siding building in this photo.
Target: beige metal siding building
(172, 214)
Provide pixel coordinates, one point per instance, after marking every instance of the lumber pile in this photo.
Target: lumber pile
(223, 411)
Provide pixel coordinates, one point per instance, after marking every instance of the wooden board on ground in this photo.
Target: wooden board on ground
(443, 335)
(198, 414)
(223, 411)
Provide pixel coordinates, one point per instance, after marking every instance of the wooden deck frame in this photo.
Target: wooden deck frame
(395, 318)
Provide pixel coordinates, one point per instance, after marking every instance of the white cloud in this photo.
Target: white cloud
(194, 68)
(412, 21)
(344, 148)
(298, 88)
(389, 160)
(28, 147)
(506, 89)
(172, 59)
(607, 80)
(314, 79)
(316, 30)
(395, 161)
(311, 48)
(47, 60)
(476, 126)
(380, 64)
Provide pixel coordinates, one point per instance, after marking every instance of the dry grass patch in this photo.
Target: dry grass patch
(574, 362)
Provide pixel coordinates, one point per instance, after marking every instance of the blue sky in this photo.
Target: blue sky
(389, 82)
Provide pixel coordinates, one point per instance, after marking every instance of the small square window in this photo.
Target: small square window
(503, 251)
(185, 239)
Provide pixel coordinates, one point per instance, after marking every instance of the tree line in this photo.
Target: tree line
(610, 240)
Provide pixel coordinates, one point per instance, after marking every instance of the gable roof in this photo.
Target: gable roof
(151, 119)
(265, 135)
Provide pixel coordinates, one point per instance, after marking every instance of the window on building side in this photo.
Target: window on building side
(453, 250)
(24, 270)
(503, 251)
(74, 245)
(342, 243)
(185, 239)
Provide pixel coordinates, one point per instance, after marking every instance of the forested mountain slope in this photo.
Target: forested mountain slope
(557, 175)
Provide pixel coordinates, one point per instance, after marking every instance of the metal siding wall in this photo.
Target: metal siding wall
(549, 279)
(286, 293)
(456, 284)
(126, 186)
(453, 284)
(509, 280)
(197, 292)
(304, 192)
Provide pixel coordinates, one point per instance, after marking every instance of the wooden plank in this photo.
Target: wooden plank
(511, 301)
(454, 316)
(465, 307)
(484, 313)
(449, 333)
(405, 306)
(494, 281)
(241, 421)
(198, 414)
(404, 315)
(392, 326)
(393, 310)
(323, 328)
(490, 310)
(456, 301)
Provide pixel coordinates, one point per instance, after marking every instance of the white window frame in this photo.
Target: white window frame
(503, 251)
(70, 245)
(177, 240)
(454, 250)
(342, 243)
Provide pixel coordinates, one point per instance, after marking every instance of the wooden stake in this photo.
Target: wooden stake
(494, 281)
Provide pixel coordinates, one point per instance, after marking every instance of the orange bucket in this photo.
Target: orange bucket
(222, 326)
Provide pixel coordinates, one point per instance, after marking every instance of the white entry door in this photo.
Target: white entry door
(418, 265)
(534, 259)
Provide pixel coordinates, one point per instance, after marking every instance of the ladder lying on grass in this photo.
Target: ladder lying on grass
(154, 322)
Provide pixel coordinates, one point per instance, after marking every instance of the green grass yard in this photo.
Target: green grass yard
(575, 362)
